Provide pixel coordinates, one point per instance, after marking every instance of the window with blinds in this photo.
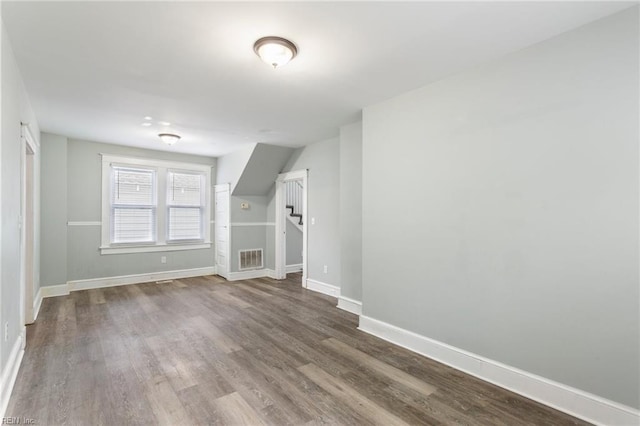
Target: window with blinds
(133, 206)
(185, 206)
(153, 205)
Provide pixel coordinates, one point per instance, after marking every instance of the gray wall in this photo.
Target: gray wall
(293, 244)
(246, 238)
(323, 161)
(240, 170)
(271, 230)
(257, 211)
(503, 201)
(351, 211)
(83, 204)
(262, 169)
(53, 246)
(231, 166)
(248, 227)
(15, 109)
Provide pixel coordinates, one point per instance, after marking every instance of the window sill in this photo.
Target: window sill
(154, 248)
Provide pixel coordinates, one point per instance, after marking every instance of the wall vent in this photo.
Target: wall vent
(250, 259)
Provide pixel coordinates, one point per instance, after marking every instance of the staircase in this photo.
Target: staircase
(293, 201)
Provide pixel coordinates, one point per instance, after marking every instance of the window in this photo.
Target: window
(152, 205)
(133, 205)
(184, 203)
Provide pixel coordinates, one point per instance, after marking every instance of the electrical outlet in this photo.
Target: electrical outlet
(163, 259)
(6, 331)
(325, 269)
(313, 220)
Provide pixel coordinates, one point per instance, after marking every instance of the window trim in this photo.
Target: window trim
(162, 230)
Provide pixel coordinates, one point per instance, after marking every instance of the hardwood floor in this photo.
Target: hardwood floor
(206, 351)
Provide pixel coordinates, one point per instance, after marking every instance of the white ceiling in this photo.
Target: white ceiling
(94, 70)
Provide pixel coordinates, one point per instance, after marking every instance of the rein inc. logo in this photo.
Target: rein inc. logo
(18, 421)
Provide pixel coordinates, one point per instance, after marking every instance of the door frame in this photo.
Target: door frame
(222, 188)
(28, 236)
(281, 225)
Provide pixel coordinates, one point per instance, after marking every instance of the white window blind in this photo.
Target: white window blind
(133, 206)
(185, 206)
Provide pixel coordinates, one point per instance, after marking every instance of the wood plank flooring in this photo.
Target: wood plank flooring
(205, 351)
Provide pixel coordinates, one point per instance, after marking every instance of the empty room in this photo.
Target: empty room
(197, 204)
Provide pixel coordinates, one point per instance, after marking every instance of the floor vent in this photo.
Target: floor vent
(250, 259)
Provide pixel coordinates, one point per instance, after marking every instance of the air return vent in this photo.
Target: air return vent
(250, 259)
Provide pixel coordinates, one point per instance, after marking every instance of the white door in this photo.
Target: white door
(222, 229)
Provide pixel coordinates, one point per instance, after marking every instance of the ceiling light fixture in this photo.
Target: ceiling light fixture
(164, 123)
(169, 138)
(148, 118)
(146, 124)
(275, 51)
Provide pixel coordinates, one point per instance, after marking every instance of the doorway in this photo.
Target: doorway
(291, 209)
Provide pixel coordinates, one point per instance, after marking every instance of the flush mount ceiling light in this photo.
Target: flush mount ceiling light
(169, 138)
(275, 51)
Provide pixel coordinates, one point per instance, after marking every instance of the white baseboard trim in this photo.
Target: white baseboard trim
(88, 284)
(293, 268)
(75, 285)
(254, 273)
(575, 402)
(324, 288)
(54, 290)
(350, 305)
(37, 303)
(10, 372)
(246, 275)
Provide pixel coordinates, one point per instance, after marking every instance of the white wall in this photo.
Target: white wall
(14, 110)
(500, 210)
